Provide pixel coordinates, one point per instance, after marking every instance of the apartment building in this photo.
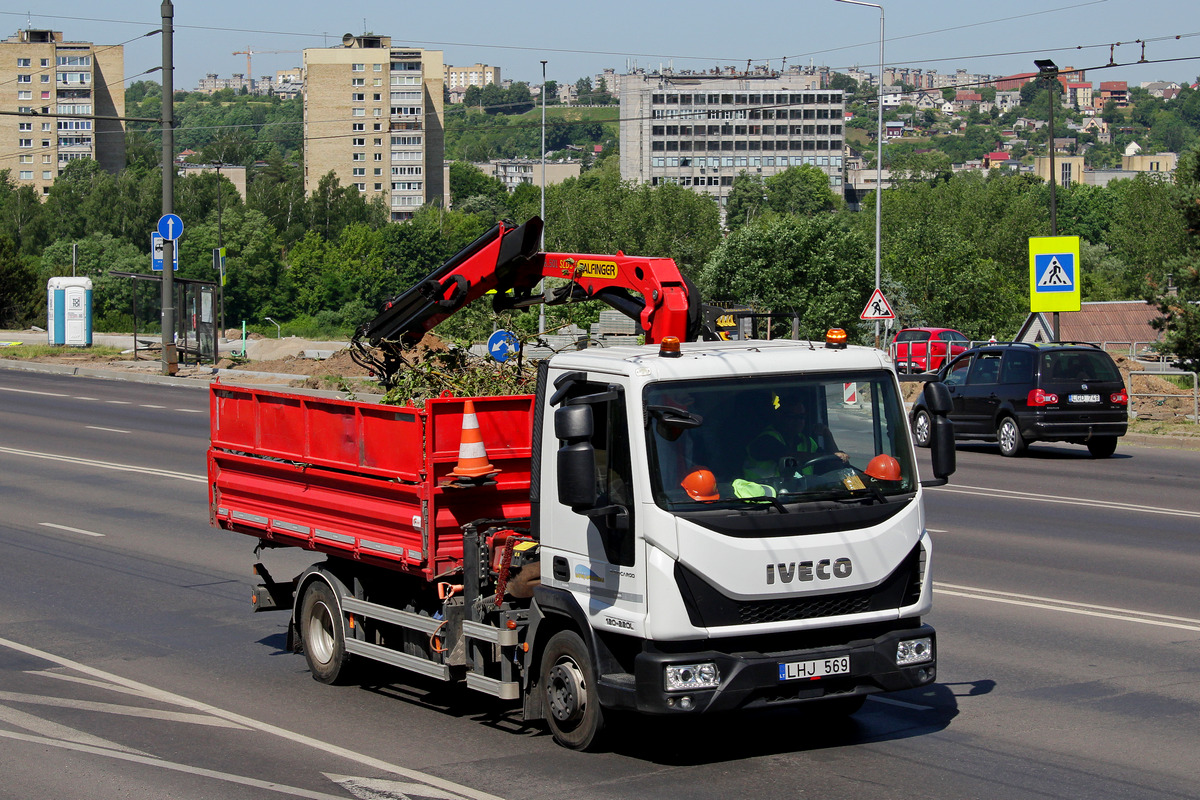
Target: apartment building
(53, 90)
(373, 115)
(475, 75)
(702, 130)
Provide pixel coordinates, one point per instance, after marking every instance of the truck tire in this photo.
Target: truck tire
(322, 634)
(572, 709)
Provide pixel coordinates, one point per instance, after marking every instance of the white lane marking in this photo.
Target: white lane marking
(1068, 607)
(113, 708)
(1010, 494)
(936, 530)
(148, 405)
(30, 391)
(110, 430)
(81, 397)
(162, 473)
(193, 410)
(171, 765)
(69, 528)
(45, 727)
(161, 695)
(119, 402)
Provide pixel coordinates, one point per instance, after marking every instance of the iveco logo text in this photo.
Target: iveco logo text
(822, 570)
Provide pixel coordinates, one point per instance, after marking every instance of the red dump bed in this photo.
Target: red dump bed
(362, 480)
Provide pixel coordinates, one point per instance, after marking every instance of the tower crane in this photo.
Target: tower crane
(248, 53)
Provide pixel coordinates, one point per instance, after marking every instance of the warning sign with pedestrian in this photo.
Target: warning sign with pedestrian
(1054, 273)
(877, 308)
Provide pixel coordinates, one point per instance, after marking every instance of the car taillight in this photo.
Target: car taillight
(1120, 398)
(1039, 397)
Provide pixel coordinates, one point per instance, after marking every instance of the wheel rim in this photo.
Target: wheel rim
(318, 633)
(566, 692)
(922, 428)
(1008, 436)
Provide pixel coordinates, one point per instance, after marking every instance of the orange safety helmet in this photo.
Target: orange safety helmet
(884, 468)
(701, 484)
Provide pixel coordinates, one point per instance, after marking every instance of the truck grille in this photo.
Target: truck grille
(707, 607)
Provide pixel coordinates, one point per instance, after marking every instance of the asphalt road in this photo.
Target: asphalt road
(1066, 604)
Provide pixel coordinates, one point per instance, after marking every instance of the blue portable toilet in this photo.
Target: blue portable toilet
(69, 312)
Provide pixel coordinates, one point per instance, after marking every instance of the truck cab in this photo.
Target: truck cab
(689, 596)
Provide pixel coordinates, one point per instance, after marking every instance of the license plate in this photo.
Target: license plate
(807, 670)
(1083, 398)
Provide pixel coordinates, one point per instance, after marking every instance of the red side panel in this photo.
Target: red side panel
(362, 480)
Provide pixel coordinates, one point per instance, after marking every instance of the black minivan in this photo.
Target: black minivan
(1016, 393)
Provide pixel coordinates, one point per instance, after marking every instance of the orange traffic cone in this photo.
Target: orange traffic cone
(472, 457)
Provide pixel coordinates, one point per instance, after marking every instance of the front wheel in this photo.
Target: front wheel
(322, 634)
(922, 428)
(1102, 446)
(1012, 443)
(572, 709)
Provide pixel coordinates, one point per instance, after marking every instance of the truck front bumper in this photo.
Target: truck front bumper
(753, 680)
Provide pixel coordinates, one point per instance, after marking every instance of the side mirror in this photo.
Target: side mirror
(576, 457)
(942, 452)
(937, 398)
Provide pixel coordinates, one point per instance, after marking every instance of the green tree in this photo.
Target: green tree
(814, 266)
(17, 287)
(801, 190)
(467, 181)
(1178, 299)
(747, 200)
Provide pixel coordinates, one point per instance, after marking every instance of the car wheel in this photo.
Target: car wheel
(1009, 436)
(1102, 446)
(922, 428)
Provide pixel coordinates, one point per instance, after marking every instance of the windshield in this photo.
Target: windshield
(777, 441)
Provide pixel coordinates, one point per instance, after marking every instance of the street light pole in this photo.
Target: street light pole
(878, 154)
(170, 357)
(542, 247)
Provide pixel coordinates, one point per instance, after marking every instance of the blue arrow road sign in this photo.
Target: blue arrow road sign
(503, 345)
(170, 226)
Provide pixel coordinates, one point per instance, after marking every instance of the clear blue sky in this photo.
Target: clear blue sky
(999, 38)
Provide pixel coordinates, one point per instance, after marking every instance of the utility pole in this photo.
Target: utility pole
(1048, 71)
(170, 357)
(542, 247)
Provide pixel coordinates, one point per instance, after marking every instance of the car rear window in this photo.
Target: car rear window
(912, 336)
(1078, 365)
(1017, 367)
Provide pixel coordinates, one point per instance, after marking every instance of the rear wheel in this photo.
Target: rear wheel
(1102, 446)
(572, 709)
(1012, 443)
(322, 634)
(922, 428)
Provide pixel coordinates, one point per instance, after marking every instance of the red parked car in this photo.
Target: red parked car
(926, 349)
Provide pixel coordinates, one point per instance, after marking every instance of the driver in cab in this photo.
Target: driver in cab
(787, 449)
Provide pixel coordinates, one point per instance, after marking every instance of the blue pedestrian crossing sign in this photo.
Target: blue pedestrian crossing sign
(1054, 273)
(503, 345)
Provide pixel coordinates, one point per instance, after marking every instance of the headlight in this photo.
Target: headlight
(683, 677)
(914, 651)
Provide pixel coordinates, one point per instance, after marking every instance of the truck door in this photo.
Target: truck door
(595, 552)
